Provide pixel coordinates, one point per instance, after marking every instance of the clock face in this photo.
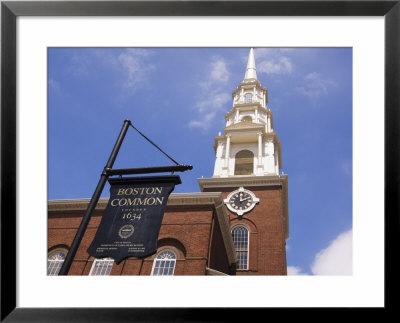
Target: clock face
(241, 201)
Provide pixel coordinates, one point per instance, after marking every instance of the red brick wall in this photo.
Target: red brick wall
(187, 230)
(267, 234)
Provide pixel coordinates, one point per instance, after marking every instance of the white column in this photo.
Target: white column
(276, 162)
(227, 150)
(259, 164)
(264, 100)
(269, 159)
(259, 148)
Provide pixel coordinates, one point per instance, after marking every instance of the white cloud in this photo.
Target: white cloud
(219, 72)
(282, 65)
(79, 64)
(215, 101)
(129, 64)
(337, 258)
(204, 122)
(294, 271)
(217, 75)
(315, 86)
(135, 68)
(208, 110)
(215, 94)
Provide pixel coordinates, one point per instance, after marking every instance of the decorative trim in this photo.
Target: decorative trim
(235, 181)
(250, 106)
(244, 125)
(205, 198)
(74, 204)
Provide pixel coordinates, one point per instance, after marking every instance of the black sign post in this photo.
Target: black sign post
(132, 219)
(92, 204)
(108, 171)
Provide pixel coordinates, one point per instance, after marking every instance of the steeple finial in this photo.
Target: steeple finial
(251, 66)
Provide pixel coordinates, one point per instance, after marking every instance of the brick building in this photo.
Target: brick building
(236, 225)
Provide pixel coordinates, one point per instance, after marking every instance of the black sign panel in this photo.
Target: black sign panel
(132, 219)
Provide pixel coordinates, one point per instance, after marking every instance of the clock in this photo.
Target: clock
(241, 201)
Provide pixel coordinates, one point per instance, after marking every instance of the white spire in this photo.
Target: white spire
(251, 66)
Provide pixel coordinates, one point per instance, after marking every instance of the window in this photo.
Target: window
(164, 264)
(240, 235)
(101, 267)
(248, 98)
(54, 262)
(247, 119)
(244, 161)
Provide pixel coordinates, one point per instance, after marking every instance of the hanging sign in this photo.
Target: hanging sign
(132, 219)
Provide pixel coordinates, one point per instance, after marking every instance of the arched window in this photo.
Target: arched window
(240, 235)
(247, 119)
(54, 262)
(244, 161)
(248, 98)
(164, 263)
(101, 267)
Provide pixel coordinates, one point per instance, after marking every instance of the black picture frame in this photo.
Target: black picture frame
(10, 10)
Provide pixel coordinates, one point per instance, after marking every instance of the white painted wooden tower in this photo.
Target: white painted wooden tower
(249, 145)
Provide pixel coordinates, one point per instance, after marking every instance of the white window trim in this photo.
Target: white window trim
(248, 98)
(58, 261)
(155, 259)
(101, 260)
(248, 245)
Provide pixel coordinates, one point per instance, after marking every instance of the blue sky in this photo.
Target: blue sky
(178, 98)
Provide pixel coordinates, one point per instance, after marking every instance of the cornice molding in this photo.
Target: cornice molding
(188, 199)
(249, 83)
(212, 199)
(247, 107)
(74, 204)
(233, 181)
(244, 125)
(266, 135)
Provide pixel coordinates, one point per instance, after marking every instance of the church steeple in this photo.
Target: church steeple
(247, 175)
(249, 145)
(251, 72)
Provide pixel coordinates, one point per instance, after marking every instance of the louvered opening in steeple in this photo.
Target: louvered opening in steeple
(244, 161)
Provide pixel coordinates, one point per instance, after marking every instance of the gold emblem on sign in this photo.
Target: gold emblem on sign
(126, 231)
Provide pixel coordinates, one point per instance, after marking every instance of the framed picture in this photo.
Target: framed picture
(189, 19)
